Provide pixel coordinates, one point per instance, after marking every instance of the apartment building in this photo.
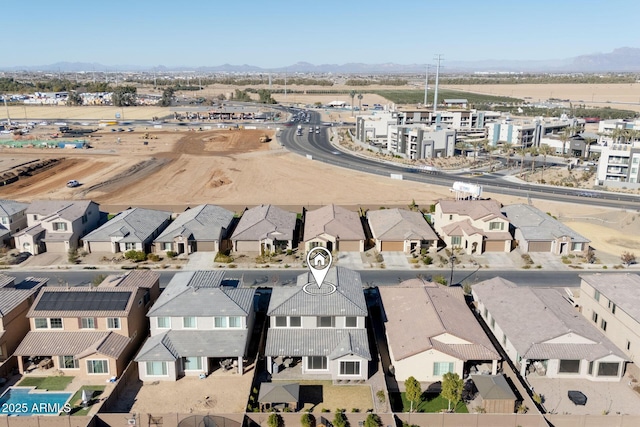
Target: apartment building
(419, 141)
(373, 128)
(528, 133)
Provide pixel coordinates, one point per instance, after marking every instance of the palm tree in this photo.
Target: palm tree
(352, 94)
(618, 135)
(488, 147)
(545, 150)
(564, 136)
(533, 152)
(360, 102)
(506, 149)
(476, 143)
(521, 151)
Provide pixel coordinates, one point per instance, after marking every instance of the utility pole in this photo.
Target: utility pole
(285, 85)
(4, 97)
(426, 85)
(435, 94)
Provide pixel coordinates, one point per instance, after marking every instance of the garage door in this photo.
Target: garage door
(392, 246)
(539, 246)
(247, 246)
(494, 246)
(349, 245)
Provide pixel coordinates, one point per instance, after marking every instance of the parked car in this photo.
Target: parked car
(73, 183)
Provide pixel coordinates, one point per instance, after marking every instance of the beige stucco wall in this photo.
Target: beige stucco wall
(420, 366)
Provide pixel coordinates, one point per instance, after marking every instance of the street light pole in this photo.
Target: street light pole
(452, 259)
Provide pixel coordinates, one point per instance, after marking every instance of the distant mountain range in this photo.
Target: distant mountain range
(624, 59)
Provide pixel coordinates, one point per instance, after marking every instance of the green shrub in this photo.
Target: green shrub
(324, 410)
(99, 278)
(307, 420)
(223, 258)
(274, 420)
(372, 420)
(381, 397)
(339, 420)
(427, 260)
(153, 257)
(289, 252)
(72, 256)
(439, 279)
(134, 255)
(172, 254)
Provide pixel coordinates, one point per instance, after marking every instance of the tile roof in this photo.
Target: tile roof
(202, 293)
(82, 301)
(11, 207)
(329, 342)
(461, 228)
(66, 209)
(347, 300)
(420, 314)
(80, 344)
(132, 279)
(134, 225)
(536, 320)
(265, 221)
(205, 223)
(335, 221)
(620, 288)
(475, 209)
(12, 295)
(536, 225)
(171, 345)
(399, 224)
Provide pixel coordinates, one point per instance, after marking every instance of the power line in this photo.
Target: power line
(438, 58)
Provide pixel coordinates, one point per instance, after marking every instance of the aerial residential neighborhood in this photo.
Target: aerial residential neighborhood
(271, 214)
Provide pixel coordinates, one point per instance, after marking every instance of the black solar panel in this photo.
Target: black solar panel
(83, 301)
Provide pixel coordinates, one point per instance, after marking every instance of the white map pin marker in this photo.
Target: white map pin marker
(319, 260)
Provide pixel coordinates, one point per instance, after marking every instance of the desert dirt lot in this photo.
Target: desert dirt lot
(232, 168)
(24, 113)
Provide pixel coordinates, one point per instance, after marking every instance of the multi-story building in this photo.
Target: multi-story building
(528, 133)
(373, 128)
(460, 120)
(12, 220)
(419, 141)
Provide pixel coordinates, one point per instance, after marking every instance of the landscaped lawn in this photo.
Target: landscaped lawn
(46, 383)
(76, 399)
(433, 403)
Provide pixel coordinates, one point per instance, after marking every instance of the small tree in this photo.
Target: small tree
(413, 392)
(72, 256)
(307, 420)
(274, 420)
(372, 420)
(135, 255)
(628, 258)
(339, 420)
(452, 386)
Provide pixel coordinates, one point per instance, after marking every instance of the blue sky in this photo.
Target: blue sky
(279, 33)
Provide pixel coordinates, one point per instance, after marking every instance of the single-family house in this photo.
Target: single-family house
(319, 331)
(431, 331)
(201, 323)
(132, 229)
(333, 227)
(202, 228)
(536, 231)
(265, 228)
(15, 301)
(611, 302)
(543, 334)
(401, 230)
(12, 220)
(476, 226)
(57, 225)
(89, 330)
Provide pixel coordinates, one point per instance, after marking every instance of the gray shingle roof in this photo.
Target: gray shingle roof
(347, 300)
(417, 313)
(11, 207)
(493, 387)
(171, 345)
(621, 288)
(531, 317)
(66, 209)
(279, 393)
(332, 343)
(79, 344)
(335, 221)
(205, 223)
(536, 225)
(12, 295)
(265, 221)
(399, 224)
(199, 293)
(136, 225)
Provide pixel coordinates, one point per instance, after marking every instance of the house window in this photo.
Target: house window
(55, 323)
(68, 362)
(146, 299)
(4, 220)
(129, 246)
(220, 322)
(590, 368)
(350, 368)
(497, 225)
(608, 369)
(628, 345)
(189, 322)
(450, 217)
(295, 322)
(612, 307)
(603, 325)
(156, 368)
(41, 323)
(441, 368)
(325, 322)
(576, 247)
(163, 322)
(166, 246)
(98, 366)
(317, 363)
(113, 323)
(281, 321)
(456, 240)
(350, 322)
(596, 295)
(504, 340)
(87, 323)
(35, 217)
(569, 367)
(594, 317)
(192, 363)
(235, 322)
(485, 312)
(59, 226)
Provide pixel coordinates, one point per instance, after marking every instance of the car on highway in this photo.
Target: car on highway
(73, 183)
(586, 194)
(317, 130)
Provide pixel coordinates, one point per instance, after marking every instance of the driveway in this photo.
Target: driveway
(395, 260)
(352, 260)
(200, 261)
(44, 259)
(548, 261)
(614, 397)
